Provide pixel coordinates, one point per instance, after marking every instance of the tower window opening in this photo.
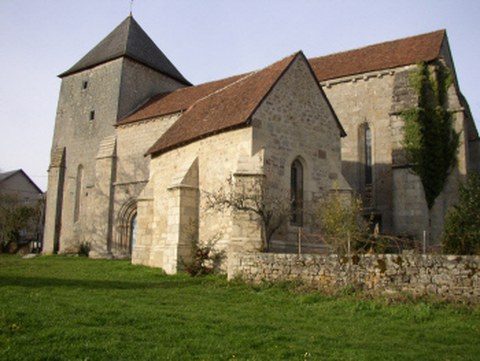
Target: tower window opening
(84, 84)
(92, 115)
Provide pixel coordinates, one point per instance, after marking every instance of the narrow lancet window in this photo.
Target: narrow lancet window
(296, 193)
(368, 155)
(78, 193)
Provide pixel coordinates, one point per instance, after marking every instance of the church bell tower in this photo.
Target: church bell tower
(118, 75)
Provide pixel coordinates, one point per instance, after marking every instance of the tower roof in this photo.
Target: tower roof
(128, 40)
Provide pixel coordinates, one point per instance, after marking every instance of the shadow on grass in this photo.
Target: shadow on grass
(40, 282)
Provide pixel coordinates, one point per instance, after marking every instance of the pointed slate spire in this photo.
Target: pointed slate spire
(130, 40)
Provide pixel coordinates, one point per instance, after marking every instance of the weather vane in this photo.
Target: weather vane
(131, 7)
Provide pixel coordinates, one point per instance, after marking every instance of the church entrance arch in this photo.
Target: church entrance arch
(126, 227)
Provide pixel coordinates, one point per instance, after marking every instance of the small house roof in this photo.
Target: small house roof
(6, 175)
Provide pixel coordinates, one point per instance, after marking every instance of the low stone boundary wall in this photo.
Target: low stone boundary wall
(445, 276)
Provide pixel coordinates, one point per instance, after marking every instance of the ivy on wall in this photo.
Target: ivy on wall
(430, 141)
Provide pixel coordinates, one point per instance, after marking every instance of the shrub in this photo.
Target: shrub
(341, 221)
(198, 264)
(78, 249)
(461, 234)
(84, 249)
(204, 258)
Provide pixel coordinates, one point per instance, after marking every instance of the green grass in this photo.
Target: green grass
(59, 308)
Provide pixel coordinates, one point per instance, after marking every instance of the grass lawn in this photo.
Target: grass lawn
(60, 308)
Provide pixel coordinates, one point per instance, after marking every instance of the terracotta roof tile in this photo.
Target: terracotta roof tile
(226, 108)
(177, 101)
(391, 54)
(228, 103)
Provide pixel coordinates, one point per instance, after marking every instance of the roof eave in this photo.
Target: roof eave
(127, 56)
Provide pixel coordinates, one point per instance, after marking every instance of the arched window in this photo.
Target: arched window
(365, 155)
(365, 165)
(296, 192)
(78, 193)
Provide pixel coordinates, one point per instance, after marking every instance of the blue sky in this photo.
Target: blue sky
(206, 40)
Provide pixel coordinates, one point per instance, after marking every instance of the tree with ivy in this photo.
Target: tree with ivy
(431, 142)
(461, 234)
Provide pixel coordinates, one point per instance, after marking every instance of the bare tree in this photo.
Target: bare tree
(253, 195)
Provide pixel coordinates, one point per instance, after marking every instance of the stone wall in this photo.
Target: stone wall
(445, 276)
(140, 83)
(79, 132)
(132, 171)
(347, 96)
(133, 142)
(295, 123)
(161, 215)
(395, 196)
(410, 212)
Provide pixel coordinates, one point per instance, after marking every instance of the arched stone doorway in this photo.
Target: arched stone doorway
(126, 227)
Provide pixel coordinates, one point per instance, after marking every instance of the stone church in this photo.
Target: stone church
(137, 148)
